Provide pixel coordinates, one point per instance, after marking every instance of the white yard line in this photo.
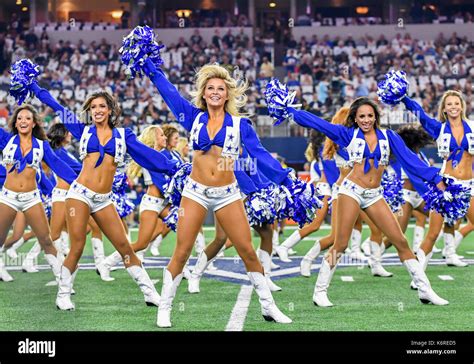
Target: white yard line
(239, 312)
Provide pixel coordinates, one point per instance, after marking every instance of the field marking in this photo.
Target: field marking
(347, 278)
(470, 252)
(239, 312)
(446, 278)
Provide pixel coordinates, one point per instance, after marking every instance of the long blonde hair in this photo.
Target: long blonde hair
(441, 114)
(341, 118)
(147, 137)
(235, 91)
(182, 143)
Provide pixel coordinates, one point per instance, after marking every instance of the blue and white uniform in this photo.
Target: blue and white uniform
(448, 148)
(59, 194)
(342, 160)
(12, 155)
(353, 140)
(235, 131)
(123, 141)
(414, 197)
(153, 203)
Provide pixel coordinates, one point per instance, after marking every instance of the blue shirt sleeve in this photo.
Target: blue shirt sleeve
(71, 162)
(339, 134)
(4, 138)
(69, 119)
(3, 175)
(44, 184)
(432, 126)
(246, 184)
(269, 166)
(182, 109)
(159, 180)
(410, 161)
(148, 157)
(57, 165)
(330, 170)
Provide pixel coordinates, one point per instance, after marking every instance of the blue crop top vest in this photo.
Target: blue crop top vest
(41, 150)
(123, 140)
(235, 131)
(353, 140)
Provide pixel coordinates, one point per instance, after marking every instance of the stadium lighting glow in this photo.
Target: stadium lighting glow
(117, 14)
(272, 5)
(24, 8)
(18, 2)
(362, 9)
(183, 13)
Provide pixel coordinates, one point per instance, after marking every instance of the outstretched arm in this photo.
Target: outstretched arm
(57, 165)
(432, 126)
(69, 119)
(147, 157)
(337, 133)
(182, 109)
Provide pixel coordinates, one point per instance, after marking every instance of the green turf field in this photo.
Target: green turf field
(367, 303)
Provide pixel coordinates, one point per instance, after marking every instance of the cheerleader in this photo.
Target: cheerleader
(217, 132)
(258, 197)
(153, 204)
(453, 134)
(369, 149)
(103, 145)
(23, 150)
(321, 171)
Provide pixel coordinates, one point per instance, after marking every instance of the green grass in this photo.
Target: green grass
(368, 303)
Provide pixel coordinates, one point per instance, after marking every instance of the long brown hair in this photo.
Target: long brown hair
(114, 121)
(339, 118)
(38, 130)
(355, 106)
(169, 130)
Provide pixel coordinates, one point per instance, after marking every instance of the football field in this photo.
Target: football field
(227, 302)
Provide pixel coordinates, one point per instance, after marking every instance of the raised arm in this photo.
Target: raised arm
(410, 161)
(148, 157)
(182, 109)
(69, 119)
(432, 126)
(57, 165)
(269, 166)
(337, 133)
(4, 138)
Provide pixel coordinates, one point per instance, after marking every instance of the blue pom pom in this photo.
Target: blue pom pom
(452, 203)
(393, 88)
(171, 220)
(278, 99)
(137, 46)
(297, 201)
(122, 203)
(260, 207)
(393, 191)
(24, 72)
(175, 186)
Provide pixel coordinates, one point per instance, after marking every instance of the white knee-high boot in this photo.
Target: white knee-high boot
(29, 265)
(200, 243)
(365, 247)
(168, 292)
(97, 250)
(140, 276)
(375, 261)
(11, 251)
(418, 235)
(320, 295)
(452, 259)
(63, 298)
(155, 246)
(425, 292)
(4, 275)
(55, 265)
(270, 311)
(265, 259)
(424, 260)
(457, 238)
(65, 242)
(103, 268)
(311, 255)
(198, 271)
(282, 250)
(356, 253)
